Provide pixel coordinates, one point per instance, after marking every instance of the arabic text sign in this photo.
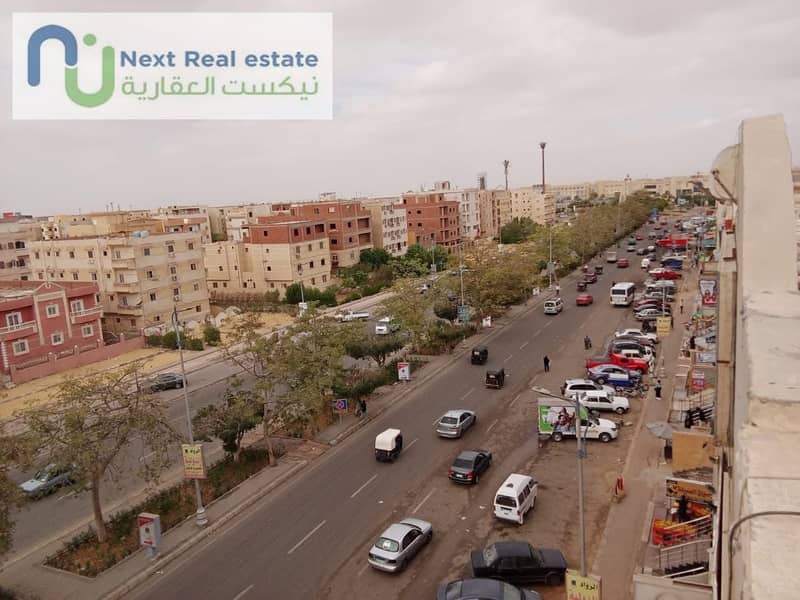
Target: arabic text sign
(172, 66)
(695, 491)
(582, 588)
(663, 326)
(194, 467)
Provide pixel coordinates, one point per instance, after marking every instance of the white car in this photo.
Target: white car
(574, 386)
(645, 263)
(604, 401)
(352, 315)
(636, 333)
(385, 326)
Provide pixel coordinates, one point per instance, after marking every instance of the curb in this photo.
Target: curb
(163, 560)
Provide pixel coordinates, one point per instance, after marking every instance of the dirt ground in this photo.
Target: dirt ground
(268, 321)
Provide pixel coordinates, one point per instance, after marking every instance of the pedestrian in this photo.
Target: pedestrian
(558, 290)
(546, 362)
(587, 342)
(671, 322)
(683, 509)
(362, 408)
(692, 343)
(681, 305)
(687, 421)
(658, 389)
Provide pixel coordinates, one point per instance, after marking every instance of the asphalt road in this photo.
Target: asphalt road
(291, 546)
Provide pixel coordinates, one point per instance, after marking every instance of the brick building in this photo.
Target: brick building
(431, 219)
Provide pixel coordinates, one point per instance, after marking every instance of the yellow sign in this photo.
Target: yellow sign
(695, 491)
(582, 588)
(194, 467)
(663, 326)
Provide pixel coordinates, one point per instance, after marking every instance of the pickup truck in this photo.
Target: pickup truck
(632, 364)
(352, 315)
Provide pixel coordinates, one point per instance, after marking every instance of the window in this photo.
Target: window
(108, 275)
(61, 275)
(224, 284)
(75, 276)
(94, 276)
(13, 320)
(244, 285)
(176, 291)
(310, 247)
(90, 253)
(133, 322)
(332, 227)
(272, 285)
(324, 278)
(105, 252)
(41, 275)
(322, 245)
(36, 254)
(193, 266)
(313, 281)
(87, 331)
(214, 285)
(76, 306)
(56, 338)
(170, 248)
(72, 254)
(146, 251)
(269, 268)
(58, 252)
(322, 262)
(173, 271)
(220, 267)
(20, 347)
(152, 296)
(196, 287)
(198, 309)
(190, 245)
(150, 275)
(52, 310)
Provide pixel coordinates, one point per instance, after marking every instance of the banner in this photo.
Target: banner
(194, 467)
(695, 491)
(403, 371)
(663, 326)
(582, 588)
(708, 291)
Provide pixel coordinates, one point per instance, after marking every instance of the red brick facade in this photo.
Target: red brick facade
(432, 219)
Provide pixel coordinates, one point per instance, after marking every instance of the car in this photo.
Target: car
(621, 345)
(553, 306)
(663, 273)
(639, 237)
(631, 332)
(657, 227)
(454, 423)
(652, 303)
(385, 326)
(48, 480)
(623, 263)
(351, 315)
(581, 286)
(603, 373)
(482, 589)
(570, 387)
(630, 248)
(603, 401)
(519, 562)
(641, 251)
(165, 381)
(468, 466)
(399, 544)
(650, 314)
(590, 277)
(632, 364)
(479, 355)
(584, 299)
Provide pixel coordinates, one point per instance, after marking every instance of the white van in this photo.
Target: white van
(553, 306)
(645, 263)
(515, 497)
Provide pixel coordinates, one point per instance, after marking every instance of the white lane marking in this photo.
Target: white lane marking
(411, 443)
(68, 495)
(523, 345)
(488, 429)
(547, 324)
(538, 331)
(514, 400)
(308, 535)
(361, 571)
(424, 500)
(146, 456)
(508, 359)
(467, 394)
(366, 483)
(241, 594)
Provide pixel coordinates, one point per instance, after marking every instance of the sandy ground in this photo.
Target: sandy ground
(268, 321)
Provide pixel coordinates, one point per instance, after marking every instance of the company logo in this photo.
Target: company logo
(68, 41)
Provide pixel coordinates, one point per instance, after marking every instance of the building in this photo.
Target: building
(469, 213)
(529, 202)
(16, 234)
(185, 219)
(389, 224)
(432, 220)
(495, 211)
(43, 318)
(142, 276)
(271, 258)
(90, 224)
(226, 222)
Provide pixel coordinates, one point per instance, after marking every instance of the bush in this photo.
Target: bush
(352, 296)
(446, 311)
(211, 335)
(169, 340)
(193, 343)
(153, 340)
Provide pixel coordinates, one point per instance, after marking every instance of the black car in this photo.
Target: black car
(519, 562)
(165, 381)
(479, 356)
(495, 378)
(468, 466)
(482, 589)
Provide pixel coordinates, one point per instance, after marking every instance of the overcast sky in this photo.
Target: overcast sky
(429, 90)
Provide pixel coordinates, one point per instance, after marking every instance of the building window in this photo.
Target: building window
(146, 251)
(152, 296)
(72, 254)
(324, 278)
(331, 226)
(311, 264)
(108, 275)
(13, 320)
(20, 347)
(176, 291)
(214, 285)
(173, 271)
(244, 285)
(196, 287)
(158, 317)
(269, 268)
(56, 338)
(41, 275)
(52, 310)
(105, 253)
(193, 266)
(322, 245)
(322, 262)
(76, 306)
(313, 281)
(272, 285)
(133, 322)
(87, 331)
(94, 276)
(36, 254)
(61, 275)
(197, 308)
(191, 245)
(224, 284)
(170, 248)
(75, 276)
(220, 267)
(90, 253)
(150, 275)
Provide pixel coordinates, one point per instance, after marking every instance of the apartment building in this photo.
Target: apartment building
(227, 222)
(90, 224)
(432, 220)
(16, 233)
(469, 214)
(495, 211)
(185, 219)
(529, 202)
(271, 258)
(142, 276)
(389, 224)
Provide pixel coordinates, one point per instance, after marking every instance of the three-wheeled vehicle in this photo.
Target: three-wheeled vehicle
(388, 445)
(479, 356)
(598, 269)
(581, 286)
(495, 379)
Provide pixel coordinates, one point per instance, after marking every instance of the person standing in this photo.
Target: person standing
(658, 389)
(587, 342)
(546, 362)
(362, 408)
(558, 290)
(681, 305)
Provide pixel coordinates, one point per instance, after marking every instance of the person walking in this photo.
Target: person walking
(658, 389)
(681, 305)
(546, 362)
(558, 290)
(587, 342)
(362, 408)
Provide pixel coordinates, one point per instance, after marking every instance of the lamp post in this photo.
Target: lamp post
(549, 225)
(200, 517)
(581, 456)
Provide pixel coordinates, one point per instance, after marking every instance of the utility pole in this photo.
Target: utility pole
(505, 170)
(549, 226)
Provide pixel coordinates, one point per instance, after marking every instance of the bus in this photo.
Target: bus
(622, 293)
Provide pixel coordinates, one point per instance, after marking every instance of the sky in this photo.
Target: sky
(429, 91)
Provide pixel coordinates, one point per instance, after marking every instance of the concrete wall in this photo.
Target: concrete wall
(650, 587)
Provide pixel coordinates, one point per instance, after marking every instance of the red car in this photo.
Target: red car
(662, 273)
(623, 263)
(632, 364)
(639, 237)
(584, 300)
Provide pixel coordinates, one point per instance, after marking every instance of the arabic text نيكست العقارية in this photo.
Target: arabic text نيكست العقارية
(177, 87)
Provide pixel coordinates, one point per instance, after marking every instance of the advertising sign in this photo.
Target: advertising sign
(194, 467)
(698, 380)
(708, 291)
(557, 416)
(149, 530)
(486, 321)
(695, 491)
(706, 358)
(582, 588)
(663, 326)
(403, 371)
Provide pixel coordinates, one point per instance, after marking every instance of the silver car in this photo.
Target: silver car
(399, 543)
(454, 423)
(47, 480)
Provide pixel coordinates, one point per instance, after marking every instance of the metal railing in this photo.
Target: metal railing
(701, 527)
(18, 326)
(684, 559)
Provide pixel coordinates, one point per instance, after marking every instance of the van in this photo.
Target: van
(553, 306)
(662, 286)
(515, 497)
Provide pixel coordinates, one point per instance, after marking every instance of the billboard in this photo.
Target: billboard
(555, 415)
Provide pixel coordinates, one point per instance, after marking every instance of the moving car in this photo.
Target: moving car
(454, 423)
(590, 277)
(495, 378)
(48, 480)
(385, 326)
(631, 248)
(639, 237)
(598, 269)
(164, 381)
(581, 285)
(623, 263)
(553, 306)
(631, 332)
(584, 300)
(641, 251)
(519, 562)
(482, 589)
(468, 466)
(352, 315)
(388, 445)
(480, 354)
(399, 544)
(515, 497)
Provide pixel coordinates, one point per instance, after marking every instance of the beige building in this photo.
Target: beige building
(495, 211)
(141, 276)
(529, 202)
(389, 224)
(469, 212)
(185, 219)
(16, 234)
(227, 222)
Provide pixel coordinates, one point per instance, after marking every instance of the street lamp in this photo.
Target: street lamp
(549, 225)
(581, 456)
(200, 516)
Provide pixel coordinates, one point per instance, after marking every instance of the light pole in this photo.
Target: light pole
(461, 271)
(549, 226)
(581, 456)
(200, 517)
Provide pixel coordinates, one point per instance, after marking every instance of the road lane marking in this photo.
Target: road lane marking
(561, 347)
(508, 359)
(241, 594)
(538, 331)
(370, 480)
(361, 571)
(424, 500)
(467, 394)
(523, 345)
(547, 324)
(488, 429)
(514, 400)
(411, 443)
(308, 535)
(436, 422)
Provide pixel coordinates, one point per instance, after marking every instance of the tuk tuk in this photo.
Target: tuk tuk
(495, 379)
(388, 445)
(598, 269)
(581, 286)
(479, 356)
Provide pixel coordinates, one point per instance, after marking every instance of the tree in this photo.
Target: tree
(518, 230)
(409, 309)
(240, 412)
(211, 335)
(15, 450)
(374, 347)
(375, 257)
(91, 423)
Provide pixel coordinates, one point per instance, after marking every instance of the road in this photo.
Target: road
(294, 544)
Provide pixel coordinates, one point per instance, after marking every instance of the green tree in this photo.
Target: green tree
(519, 230)
(91, 423)
(375, 257)
(15, 451)
(240, 412)
(410, 309)
(211, 335)
(377, 348)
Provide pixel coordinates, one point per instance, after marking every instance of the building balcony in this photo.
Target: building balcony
(123, 263)
(127, 286)
(19, 330)
(128, 309)
(86, 315)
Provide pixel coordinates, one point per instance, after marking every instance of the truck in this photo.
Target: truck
(352, 315)
(557, 420)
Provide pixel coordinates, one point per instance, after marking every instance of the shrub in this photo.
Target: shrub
(193, 343)
(153, 340)
(211, 335)
(169, 340)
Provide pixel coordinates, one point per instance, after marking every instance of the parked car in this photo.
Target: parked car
(164, 381)
(639, 237)
(641, 251)
(399, 544)
(584, 299)
(590, 277)
(631, 332)
(385, 326)
(570, 387)
(662, 273)
(483, 589)
(519, 562)
(604, 401)
(631, 248)
(652, 303)
(650, 314)
(469, 465)
(645, 263)
(632, 364)
(454, 423)
(352, 315)
(48, 480)
(602, 374)
(598, 269)
(623, 263)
